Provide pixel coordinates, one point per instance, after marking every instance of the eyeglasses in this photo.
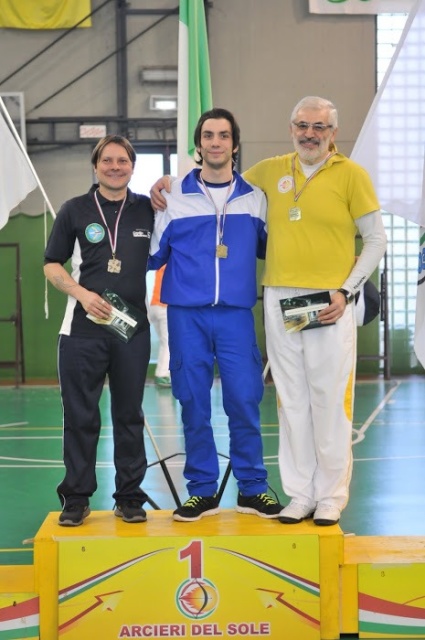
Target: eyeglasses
(317, 127)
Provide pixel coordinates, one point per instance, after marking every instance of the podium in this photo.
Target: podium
(225, 576)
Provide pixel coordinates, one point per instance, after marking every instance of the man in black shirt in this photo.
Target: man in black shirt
(106, 235)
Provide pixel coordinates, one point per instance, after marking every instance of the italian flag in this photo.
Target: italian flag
(194, 80)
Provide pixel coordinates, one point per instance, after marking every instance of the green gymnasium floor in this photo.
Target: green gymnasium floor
(387, 491)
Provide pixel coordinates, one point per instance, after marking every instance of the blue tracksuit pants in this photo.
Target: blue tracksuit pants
(199, 337)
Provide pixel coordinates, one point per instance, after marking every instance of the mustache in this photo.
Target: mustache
(311, 140)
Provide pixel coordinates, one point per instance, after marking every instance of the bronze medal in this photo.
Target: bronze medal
(114, 265)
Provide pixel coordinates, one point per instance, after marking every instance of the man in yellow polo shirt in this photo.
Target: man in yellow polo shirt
(318, 201)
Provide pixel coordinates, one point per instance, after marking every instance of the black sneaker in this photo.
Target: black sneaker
(195, 508)
(261, 505)
(130, 511)
(74, 515)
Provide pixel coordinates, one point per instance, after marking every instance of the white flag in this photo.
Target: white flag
(391, 144)
(16, 178)
(194, 80)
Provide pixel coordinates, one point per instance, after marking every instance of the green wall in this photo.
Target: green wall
(40, 334)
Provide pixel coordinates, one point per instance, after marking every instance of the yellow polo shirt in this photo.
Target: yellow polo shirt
(310, 222)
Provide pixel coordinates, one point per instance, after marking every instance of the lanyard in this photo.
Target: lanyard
(297, 194)
(112, 238)
(220, 216)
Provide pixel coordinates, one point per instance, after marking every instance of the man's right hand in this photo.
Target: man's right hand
(94, 304)
(158, 201)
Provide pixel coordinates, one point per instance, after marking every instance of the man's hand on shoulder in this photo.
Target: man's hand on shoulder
(158, 201)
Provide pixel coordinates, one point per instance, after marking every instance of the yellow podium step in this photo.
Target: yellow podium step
(16, 579)
(225, 576)
(382, 587)
(19, 603)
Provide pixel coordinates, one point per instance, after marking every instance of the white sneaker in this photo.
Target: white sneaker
(326, 515)
(295, 512)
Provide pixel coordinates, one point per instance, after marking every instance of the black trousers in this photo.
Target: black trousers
(83, 365)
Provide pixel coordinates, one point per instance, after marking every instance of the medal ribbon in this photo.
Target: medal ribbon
(297, 194)
(221, 217)
(112, 239)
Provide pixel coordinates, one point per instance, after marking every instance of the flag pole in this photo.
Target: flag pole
(24, 151)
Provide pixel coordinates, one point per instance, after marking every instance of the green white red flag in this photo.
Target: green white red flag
(194, 79)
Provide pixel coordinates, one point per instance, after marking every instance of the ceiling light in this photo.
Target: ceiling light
(158, 74)
(163, 103)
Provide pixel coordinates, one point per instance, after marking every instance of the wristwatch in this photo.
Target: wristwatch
(349, 297)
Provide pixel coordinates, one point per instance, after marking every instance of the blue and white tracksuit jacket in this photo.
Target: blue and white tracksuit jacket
(210, 320)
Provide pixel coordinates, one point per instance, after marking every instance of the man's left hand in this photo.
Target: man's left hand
(335, 310)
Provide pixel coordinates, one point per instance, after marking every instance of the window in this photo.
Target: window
(149, 167)
(402, 235)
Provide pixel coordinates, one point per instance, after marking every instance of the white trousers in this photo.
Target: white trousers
(158, 317)
(314, 374)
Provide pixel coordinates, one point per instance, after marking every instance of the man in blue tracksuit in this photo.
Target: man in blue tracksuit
(210, 234)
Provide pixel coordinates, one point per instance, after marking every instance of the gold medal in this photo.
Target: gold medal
(114, 265)
(221, 251)
(294, 214)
